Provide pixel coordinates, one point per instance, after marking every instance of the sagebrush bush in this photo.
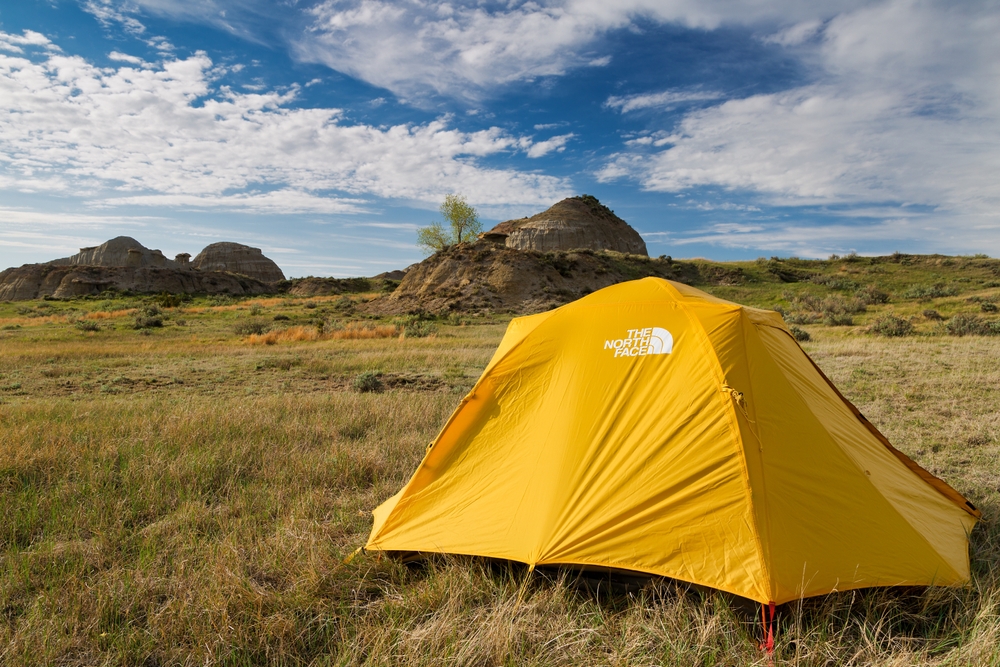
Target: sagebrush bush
(251, 327)
(834, 282)
(988, 307)
(932, 314)
(87, 325)
(872, 295)
(419, 329)
(838, 320)
(891, 326)
(368, 382)
(801, 335)
(971, 325)
(928, 292)
(147, 322)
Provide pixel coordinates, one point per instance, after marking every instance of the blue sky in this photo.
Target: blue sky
(325, 132)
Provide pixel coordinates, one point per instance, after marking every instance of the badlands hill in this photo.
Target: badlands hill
(483, 276)
(574, 223)
(124, 264)
(531, 264)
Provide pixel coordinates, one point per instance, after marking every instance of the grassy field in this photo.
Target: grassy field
(179, 483)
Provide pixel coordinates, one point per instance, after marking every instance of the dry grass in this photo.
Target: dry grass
(185, 498)
(365, 331)
(289, 335)
(107, 315)
(299, 334)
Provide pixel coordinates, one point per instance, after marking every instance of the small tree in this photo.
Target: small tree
(461, 218)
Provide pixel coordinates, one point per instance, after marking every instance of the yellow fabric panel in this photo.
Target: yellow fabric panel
(651, 427)
(882, 524)
(517, 329)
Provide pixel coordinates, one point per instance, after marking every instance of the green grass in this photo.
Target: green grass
(183, 497)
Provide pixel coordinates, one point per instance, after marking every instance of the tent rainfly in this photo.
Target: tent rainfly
(652, 427)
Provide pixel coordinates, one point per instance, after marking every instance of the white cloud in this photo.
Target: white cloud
(165, 135)
(944, 234)
(109, 12)
(796, 34)
(463, 49)
(117, 56)
(667, 99)
(905, 110)
(284, 201)
(557, 143)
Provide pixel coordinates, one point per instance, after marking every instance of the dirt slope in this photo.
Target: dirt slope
(487, 277)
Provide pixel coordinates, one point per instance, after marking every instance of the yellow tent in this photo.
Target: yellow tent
(651, 427)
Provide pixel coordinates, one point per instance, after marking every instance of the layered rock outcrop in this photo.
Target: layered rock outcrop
(119, 251)
(238, 258)
(225, 256)
(35, 281)
(574, 223)
(125, 264)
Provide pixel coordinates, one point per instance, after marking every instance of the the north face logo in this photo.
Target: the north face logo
(642, 342)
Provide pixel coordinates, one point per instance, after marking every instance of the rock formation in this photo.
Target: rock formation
(125, 264)
(126, 251)
(119, 251)
(238, 258)
(574, 223)
(35, 281)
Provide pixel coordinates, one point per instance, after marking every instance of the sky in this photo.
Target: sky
(325, 132)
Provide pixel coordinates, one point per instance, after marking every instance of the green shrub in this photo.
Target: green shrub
(837, 306)
(800, 335)
(871, 295)
(87, 325)
(802, 318)
(169, 300)
(419, 329)
(988, 307)
(147, 322)
(838, 319)
(368, 382)
(256, 309)
(971, 325)
(890, 325)
(928, 292)
(250, 327)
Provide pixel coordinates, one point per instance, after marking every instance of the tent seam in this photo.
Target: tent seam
(730, 412)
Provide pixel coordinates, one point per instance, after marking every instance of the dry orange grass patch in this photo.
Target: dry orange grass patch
(109, 314)
(35, 321)
(299, 334)
(289, 335)
(357, 330)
